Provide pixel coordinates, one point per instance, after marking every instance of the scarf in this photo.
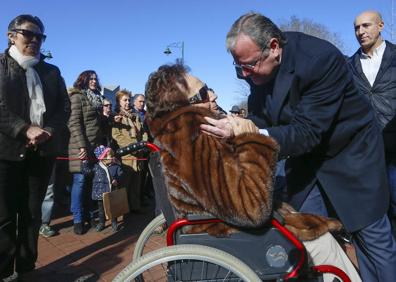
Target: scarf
(95, 99)
(34, 86)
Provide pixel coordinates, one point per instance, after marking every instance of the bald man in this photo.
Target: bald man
(374, 71)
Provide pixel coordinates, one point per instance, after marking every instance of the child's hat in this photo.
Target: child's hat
(101, 151)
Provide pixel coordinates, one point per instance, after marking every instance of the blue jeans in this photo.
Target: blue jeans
(48, 203)
(392, 187)
(77, 197)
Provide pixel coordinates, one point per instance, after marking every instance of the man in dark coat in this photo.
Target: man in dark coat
(374, 70)
(304, 96)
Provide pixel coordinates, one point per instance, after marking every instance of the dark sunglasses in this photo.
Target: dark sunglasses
(201, 97)
(107, 105)
(30, 34)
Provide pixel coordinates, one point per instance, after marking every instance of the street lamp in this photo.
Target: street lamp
(179, 45)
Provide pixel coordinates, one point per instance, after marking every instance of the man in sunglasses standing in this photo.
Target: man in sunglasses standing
(34, 108)
(303, 95)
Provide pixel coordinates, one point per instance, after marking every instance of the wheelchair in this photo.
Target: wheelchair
(271, 253)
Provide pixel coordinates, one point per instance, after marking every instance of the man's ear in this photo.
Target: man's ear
(274, 46)
(381, 25)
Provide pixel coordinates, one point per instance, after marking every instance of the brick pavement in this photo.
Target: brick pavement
(94, 256)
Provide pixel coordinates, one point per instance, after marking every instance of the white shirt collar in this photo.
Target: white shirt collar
(379, 51)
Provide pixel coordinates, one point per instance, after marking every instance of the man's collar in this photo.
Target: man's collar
(377, 51)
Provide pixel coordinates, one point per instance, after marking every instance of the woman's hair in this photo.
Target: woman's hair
(119, 95)
(166, 90)
(82, 80)
(258, 27)
(21, 19)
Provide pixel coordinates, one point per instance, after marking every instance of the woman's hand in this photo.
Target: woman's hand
(36, 135)
(117, 118)
(82, 155)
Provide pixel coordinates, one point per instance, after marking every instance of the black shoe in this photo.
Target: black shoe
(78, 228)
(100, 226)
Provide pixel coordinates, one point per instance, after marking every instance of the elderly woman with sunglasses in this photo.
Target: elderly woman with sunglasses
(229, 179)
(34, 108)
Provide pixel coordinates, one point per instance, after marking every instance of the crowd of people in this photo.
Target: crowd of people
(328, 119)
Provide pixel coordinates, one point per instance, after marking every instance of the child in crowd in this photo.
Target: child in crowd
(106, 173)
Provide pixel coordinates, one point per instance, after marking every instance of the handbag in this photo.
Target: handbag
(115, 203)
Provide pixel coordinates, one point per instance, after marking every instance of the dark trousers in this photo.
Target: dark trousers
(374, 244)
(22, 189)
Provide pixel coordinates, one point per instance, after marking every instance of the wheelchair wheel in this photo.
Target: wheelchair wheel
(187, 263)
(157, 241)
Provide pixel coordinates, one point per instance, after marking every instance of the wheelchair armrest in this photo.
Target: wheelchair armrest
(199, 217)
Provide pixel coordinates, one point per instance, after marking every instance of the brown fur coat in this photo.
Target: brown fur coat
(231, 180)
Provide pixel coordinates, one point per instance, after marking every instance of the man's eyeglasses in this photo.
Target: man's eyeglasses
(30, 34)
(107, 105)
(201, 97)
(251, 65)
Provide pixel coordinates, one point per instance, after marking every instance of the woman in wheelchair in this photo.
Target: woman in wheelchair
(229, 179)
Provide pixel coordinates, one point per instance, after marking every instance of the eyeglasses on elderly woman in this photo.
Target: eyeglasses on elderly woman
(201, 97)
(28, 34)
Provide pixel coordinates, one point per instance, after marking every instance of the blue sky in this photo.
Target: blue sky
(124, 40)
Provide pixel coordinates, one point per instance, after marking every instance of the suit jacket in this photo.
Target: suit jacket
(382, 94)
(325, 129)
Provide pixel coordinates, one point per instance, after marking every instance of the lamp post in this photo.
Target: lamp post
(179, 45)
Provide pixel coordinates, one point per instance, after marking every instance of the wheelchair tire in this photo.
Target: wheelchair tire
(146, 235)
(235, 269)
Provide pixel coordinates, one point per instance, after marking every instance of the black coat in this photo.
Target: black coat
(14, 108)
(382, 94)
(325, 129)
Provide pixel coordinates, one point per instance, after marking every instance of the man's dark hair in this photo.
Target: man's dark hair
(258, 27)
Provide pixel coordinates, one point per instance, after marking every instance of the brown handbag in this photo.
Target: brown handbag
(115, 203)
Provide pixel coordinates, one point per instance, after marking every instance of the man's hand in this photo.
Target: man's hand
(228, 127)
(36, 135)
(241, 125)
(220, 128)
